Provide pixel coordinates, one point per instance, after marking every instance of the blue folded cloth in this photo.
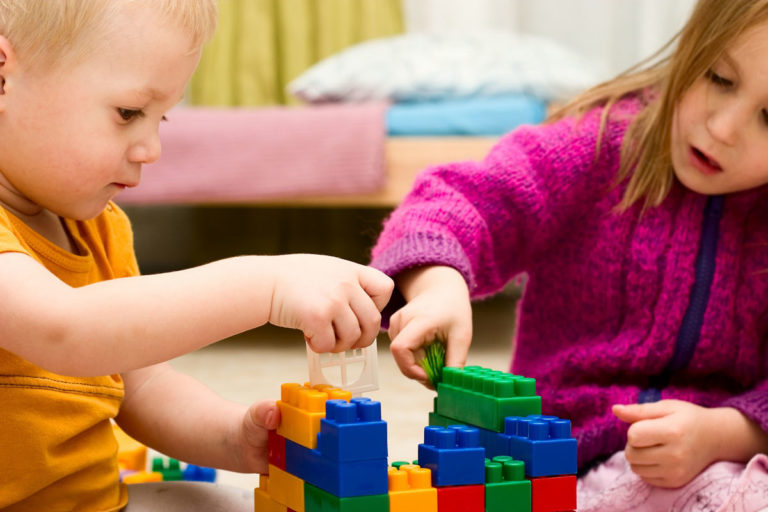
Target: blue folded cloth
(475, 116)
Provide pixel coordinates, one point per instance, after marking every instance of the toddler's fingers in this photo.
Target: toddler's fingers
(368, 317)
(377, 285)
(320, 337)
(265, 414)
(347, 330)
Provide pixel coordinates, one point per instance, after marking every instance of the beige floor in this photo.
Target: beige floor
(251, 367)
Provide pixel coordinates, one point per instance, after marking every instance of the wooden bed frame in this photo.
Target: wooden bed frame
(405, 157)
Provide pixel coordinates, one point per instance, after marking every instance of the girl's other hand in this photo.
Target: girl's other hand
(438, 306)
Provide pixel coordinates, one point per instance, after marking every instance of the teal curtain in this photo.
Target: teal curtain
(261, 45)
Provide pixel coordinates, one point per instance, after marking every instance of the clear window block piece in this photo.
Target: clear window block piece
(340, 369)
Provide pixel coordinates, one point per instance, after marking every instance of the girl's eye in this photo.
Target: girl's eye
(717, 79)
(128, 114)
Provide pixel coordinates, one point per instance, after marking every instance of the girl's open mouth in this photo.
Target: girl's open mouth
(704, 162)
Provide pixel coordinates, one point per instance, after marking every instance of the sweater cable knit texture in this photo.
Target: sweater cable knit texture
(606, 292)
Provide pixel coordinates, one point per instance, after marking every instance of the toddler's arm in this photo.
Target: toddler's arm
(123, 324)
(671, 441)
(437, 306)
(180, 417)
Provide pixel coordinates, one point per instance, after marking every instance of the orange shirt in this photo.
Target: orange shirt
(57, 449)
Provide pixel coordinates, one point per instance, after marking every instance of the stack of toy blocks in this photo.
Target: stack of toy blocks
(328, 454)
(507, 414)
(410, 488)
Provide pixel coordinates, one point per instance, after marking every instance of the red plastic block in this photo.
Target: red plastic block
(276, 449)
(461, 498)
(553, 494)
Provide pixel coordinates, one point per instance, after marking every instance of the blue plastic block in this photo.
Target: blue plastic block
(495, 443)
(544, 443)
(342, 479)
(194, 473)
(352, 431)
(454, 455)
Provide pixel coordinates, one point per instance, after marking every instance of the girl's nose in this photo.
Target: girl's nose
(725, 122)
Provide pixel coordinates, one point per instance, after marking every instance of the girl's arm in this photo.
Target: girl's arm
(180, 417)
(123, 324)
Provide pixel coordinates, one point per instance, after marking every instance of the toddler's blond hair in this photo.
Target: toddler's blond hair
(47, 32)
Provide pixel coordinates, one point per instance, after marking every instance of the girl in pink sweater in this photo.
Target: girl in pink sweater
(640, 215)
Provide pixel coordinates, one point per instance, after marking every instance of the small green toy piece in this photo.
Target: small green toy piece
(434, 361)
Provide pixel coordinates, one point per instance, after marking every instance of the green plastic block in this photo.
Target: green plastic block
(171, 471)
(483, 397)
(317, 500)
(436, 420)
(506, 488)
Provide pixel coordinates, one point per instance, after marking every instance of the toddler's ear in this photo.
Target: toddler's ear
(7, 62)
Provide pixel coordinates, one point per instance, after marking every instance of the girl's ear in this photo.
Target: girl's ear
(7, 65)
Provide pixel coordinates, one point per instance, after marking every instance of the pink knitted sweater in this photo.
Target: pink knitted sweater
(606, 292)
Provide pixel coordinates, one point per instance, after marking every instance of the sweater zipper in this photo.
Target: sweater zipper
(690, 330)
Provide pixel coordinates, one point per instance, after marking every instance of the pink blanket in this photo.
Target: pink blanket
(247, 155)
(722, 487)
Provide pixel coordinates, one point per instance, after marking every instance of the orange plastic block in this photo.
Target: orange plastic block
(131, 454)
(286, 488)
(142, 477)
(262, 501)
(302, 408)
(410, 488)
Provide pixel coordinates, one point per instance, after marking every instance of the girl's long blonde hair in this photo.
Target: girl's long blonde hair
(47, 32)
(645, 151)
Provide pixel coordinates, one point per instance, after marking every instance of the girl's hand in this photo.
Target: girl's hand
(251, 438)
(334, 302)
(438, 307)
(669, 442)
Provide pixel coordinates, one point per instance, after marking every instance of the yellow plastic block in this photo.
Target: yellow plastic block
(286, 488)
(302, 408)
(142, 477)
(262, 501)
(410, 488)
(131, 454)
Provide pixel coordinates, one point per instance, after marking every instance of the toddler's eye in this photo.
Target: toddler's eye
(128, 114)
(717, 79)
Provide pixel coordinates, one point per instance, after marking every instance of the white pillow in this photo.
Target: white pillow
(420, 67)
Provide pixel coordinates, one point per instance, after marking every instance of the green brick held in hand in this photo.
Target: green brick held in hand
(483, 397)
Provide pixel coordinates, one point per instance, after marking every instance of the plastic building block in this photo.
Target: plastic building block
(464, 498)
(131, 454)
(352, 431)
(286, 488)
(276, 449)
(317, 500)
(170, 471)
(302, 408)
(368, 379)
(410, 488)
(553, 493)
(454, 455)
(141, 477)
(483, 397)
(544, 443)
(495, 443)
(506, 488)
(262, 501)
(342, 479)
(194, 473)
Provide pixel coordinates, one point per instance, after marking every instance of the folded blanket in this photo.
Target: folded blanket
(472, 116)
(246, 155)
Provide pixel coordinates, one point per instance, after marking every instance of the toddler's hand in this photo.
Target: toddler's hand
(669, 442)
(251, 438)
(438, 307)
(334, 302)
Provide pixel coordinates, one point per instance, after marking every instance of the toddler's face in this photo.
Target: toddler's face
(720, 130)
(74, 138)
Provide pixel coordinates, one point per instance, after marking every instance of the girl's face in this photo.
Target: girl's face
(720, 128)
(72, 139)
